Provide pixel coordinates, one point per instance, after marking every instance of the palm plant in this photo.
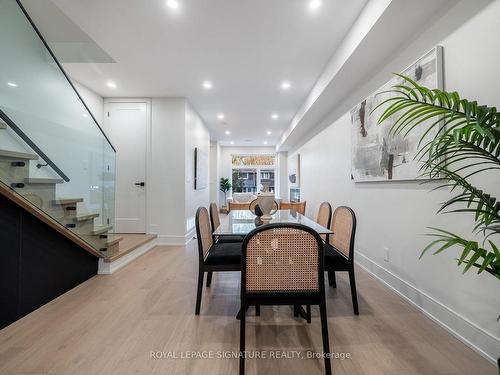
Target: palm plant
(466, 144)
(225, 186)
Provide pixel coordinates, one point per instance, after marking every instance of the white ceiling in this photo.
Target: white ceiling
(245, 47)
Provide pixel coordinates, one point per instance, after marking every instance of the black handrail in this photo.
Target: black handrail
(30, 143)
(62, 70)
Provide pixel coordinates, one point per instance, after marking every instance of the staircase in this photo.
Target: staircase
(41, 193)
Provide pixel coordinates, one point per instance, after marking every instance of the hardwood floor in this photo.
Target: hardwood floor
(111, 324)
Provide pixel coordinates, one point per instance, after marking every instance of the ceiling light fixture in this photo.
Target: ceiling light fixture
(220, 116)
(207, 85)
(174, 4)
(228, 132)
(85, 115)
(274, 116)
(285, 85)
(12, 84)
(314, 4)
(269, 132)
(232, 142)
(265, 142)
(111, 84)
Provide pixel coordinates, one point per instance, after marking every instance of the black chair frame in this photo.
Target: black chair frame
(350, 268)
(285, 298)
(202, 267)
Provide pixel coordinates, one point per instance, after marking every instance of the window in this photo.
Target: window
(250, 172)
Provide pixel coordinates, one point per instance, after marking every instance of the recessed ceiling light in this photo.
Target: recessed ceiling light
(274, 116)
(269, 132)
(85, 115)
(228, 132)
(207, 85)
(265, 142)
(220, 116)
(174, 4)
(111, 84)
(12, 84)
(314, 4)
(232, 142)
(285, 85)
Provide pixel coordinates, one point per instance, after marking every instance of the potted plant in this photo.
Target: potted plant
(224, 186)
(467, 144)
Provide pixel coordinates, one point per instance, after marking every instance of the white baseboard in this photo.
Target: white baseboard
(169, 240)
(466, 331)
(108, 268)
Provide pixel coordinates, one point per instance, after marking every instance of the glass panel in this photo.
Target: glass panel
(244, 180)
(65, 153)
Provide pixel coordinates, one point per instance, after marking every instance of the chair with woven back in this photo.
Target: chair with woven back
(339, 250)
(299, 207)
(283, 264)
(235, 206)
(324, 217)
(215, 221)
(213, 256)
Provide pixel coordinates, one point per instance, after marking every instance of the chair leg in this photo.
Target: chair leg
(296, 310)
(243, 310)
(352, 281)
(324, 333)
(209, 279)
(201, 274)
(309, 314)
(257, 310)
(332, 281)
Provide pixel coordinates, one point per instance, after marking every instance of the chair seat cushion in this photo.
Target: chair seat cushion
(224, 254)
(227, 239)
(334, 260)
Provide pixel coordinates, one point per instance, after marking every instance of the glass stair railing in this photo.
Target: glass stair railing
(52, 151)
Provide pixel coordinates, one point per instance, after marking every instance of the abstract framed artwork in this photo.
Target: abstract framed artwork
(200, 169)
(294, 171)
(376, 156)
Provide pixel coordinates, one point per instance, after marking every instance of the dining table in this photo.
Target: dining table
(242, 222)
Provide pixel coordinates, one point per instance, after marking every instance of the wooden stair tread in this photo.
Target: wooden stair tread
(113, 239)
(128, 244)
(85, 216)
(31, 180)
(44, 217)
(66, 201)
(103, 229)
(14, 155)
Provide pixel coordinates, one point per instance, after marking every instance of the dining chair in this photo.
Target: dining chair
(234, 206)
(324, 218)
(283, 264)
(213, 256)
(339, 251)
(299, 207)
(215, 222)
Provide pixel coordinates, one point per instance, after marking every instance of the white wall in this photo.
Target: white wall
(214, 172)
(395, 215)
(197, 136)
(94, 101)
(167, 186)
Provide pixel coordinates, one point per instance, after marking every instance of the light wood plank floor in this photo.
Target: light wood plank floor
(110, 324)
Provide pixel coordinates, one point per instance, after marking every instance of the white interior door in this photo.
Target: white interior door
(126, 125)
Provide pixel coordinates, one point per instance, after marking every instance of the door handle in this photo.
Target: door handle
(140, 183)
